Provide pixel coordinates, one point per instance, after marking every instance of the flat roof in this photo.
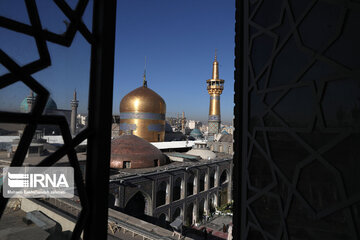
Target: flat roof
(58, 139)
(183, 155)
(176, 144)
(172, 166)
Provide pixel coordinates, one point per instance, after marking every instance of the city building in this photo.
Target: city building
(192, 124)
(224, 144)
(36, 147)
(201, 150)
(147, 187)
(173, 133)
(82, 120)
(51, 108)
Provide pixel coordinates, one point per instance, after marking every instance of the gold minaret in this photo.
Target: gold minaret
(215, 87)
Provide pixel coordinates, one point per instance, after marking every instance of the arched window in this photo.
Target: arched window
(138, 206)
(162, 220)
(223, 177)
(223, 196)
(189, 214)
(177, 189)
(212, 203)
(176, 214)
(202, 182)
(161, 194)
(212, 178)
(190, 185)
(201, 208)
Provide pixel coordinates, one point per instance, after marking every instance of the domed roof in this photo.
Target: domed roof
(143, 99)
(168, 128)
(130, 151)
(196, 133)
(50, 105)
(224, 132)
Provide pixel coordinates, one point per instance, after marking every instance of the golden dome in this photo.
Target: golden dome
(142, 113)
(143, 99)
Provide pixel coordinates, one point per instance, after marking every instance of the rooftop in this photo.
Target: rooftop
(34, 160)
(173, 166)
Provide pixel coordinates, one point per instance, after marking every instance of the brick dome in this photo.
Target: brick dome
(130, 151)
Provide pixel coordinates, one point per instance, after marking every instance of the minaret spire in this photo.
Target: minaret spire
(215, 73)
(30, 100)
(75, 94)
(215, 86)
(183, 123)
(144, 81)
(74, 105)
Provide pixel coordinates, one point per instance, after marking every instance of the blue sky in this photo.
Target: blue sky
(177, 37)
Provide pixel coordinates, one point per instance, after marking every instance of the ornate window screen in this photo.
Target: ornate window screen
(297, 119)
(93, 194)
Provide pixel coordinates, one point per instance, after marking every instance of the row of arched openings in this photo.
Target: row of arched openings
(140, 204)
(191, 181)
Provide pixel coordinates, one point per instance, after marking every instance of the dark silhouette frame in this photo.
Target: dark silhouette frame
(93, 195)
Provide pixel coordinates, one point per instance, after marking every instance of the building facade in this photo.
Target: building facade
(189, 192)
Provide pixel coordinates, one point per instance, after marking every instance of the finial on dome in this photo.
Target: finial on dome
(144, 81)
(215, 54)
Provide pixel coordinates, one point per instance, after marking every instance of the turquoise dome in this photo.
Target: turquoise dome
(196, 133)
(50, 105)
(168, 128)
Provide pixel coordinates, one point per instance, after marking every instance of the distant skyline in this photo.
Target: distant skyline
(178, 38)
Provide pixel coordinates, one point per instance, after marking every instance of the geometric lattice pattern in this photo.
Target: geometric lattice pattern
(35, 117)
(301, 99)
(214, 127)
